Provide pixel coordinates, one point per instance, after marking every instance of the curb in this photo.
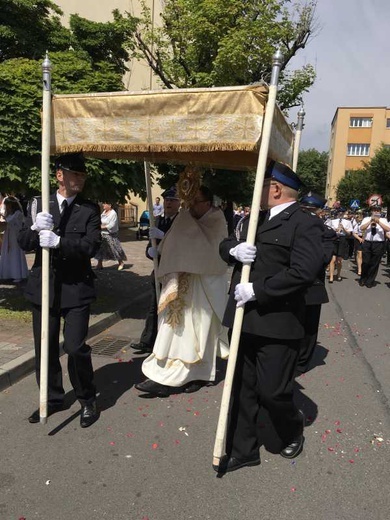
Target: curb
(22, 366)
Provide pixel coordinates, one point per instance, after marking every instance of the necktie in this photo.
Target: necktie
(64, 216)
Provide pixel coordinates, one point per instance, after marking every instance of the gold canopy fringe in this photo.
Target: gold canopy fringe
(174, 147)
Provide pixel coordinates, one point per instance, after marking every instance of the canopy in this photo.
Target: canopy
(216, 127)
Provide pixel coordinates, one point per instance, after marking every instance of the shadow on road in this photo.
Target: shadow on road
(115, 379)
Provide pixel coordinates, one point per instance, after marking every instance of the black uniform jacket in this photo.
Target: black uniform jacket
(289, 257)
(164, 225)
(71, 276)
(316, 294)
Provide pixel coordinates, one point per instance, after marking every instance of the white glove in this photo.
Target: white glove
(49, 239)
(244, 293)
(156, 233)
(43, 221)
(152, 252)
(244, 252)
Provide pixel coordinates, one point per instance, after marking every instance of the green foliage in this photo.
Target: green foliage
(110, 181)
(103, 42)
(204, 43)
(312, 170)
(29, 27)
(356, 184)
(379, 168)
(236, 186)
(91, 59)
(374, 177)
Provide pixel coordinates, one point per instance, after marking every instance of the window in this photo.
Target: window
(388, 123)
(358, 149)
(360, 122)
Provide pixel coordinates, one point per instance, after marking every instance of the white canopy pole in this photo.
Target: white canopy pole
(297, 139)
(45, 188)
(151, 222)
(253, 220)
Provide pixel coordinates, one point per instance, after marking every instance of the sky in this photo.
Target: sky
(351, 55)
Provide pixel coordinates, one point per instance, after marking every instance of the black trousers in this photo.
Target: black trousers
(264, 377)
(309, 341)
(372, 255)
(149, 333)
(79, 353)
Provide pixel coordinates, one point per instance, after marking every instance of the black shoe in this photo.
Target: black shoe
(194, 386)
(369, 285)
(51, 408)
(293, 449)
(362, 283)
(227, 464)
(89, 414)
(141, 346)
(151, 387)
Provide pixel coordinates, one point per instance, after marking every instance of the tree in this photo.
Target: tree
(374, 177)
(379, 168)
(29, 27)
(312, 169)
(103, 42)
(204, 43)
(356, 184)
(74, 70)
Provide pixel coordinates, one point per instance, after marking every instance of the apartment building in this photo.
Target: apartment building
(356, 133)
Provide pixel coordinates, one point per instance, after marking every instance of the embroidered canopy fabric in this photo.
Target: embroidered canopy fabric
(216, 127)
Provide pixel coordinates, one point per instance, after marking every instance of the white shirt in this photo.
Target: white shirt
(278, 209)
(336, 223)
(380, 232)
(60, 200)
(157, 209)
(110, 220)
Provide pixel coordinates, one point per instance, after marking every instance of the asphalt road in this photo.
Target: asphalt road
(150, 459)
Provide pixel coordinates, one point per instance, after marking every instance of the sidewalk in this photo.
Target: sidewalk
(120, 294)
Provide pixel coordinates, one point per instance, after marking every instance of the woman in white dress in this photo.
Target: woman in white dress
(13, 264)
(110, 248)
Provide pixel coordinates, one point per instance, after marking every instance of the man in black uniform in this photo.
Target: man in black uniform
(286, 259)
(72, 232)
(162, 225)
(316, 294)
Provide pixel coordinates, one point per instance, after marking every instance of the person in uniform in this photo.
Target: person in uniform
(71, 230)
(343, 228)
(374, 229)
(316, 294)
(286, 259)
(162, 225)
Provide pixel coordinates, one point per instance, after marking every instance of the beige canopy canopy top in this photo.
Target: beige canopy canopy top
(215, 127)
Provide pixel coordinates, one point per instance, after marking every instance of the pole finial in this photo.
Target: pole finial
(46, 64)
(277, 58)
(277, 62)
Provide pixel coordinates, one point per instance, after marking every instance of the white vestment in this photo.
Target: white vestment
(193, 300)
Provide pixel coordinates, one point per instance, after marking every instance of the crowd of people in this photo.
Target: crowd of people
(190, 324)
(364, 238)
